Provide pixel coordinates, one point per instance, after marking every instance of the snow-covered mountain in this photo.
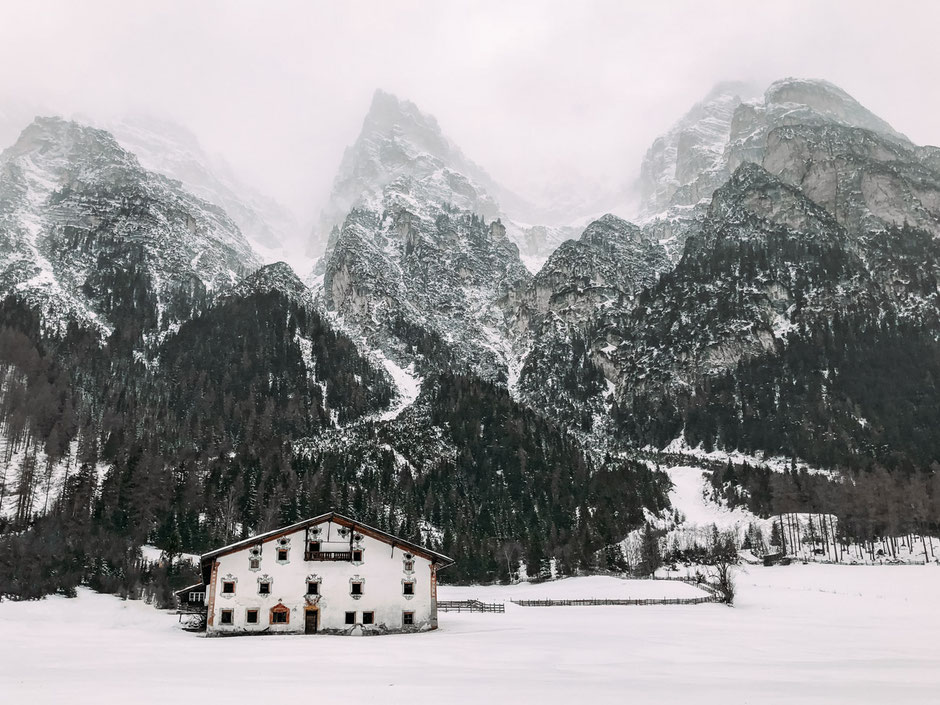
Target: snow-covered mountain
(401, 147)
(730, 126)
(687, 163)
(782, 301)
(88, 234)
(172, 150)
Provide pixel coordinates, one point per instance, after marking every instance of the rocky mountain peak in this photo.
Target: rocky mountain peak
(402, 148)
(92, 236)
(277, 277)
(828, 101)
(55, 142)
(391, 118)
(692, 150)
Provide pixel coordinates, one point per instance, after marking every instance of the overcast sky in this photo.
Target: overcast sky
(538, 93)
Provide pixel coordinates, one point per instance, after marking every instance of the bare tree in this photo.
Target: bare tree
(724, 581)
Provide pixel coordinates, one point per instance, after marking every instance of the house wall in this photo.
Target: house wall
(381, 571)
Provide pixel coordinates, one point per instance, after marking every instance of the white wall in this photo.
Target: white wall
(382, 572)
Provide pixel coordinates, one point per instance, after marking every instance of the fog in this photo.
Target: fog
(544, 95)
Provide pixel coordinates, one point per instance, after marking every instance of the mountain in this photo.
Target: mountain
(565, 312)
(420, 264)
(401, 147)
(687, 163)
(399, 142)
(730, 126)
(89, 235)
(172, 150)
(780, 300)
(791, 328)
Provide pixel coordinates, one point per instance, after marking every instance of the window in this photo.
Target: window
(228, 587)
(251, 616)
(409, 566)
(254, 564)
(357, 556)
(313, 547)
(407, 618)
(408, 587)
(313, 587)
(227, 616)
(280, 614)
(350, 618)
(282, 555)
(368, 617)
(355, 588)
(264, 587)
(197, 596)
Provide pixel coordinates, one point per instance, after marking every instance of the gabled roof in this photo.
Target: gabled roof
(440, 559)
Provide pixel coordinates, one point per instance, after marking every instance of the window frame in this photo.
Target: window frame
(405, 585)
(353, 584)
(315, 584)
(227, 612)
(252, 612)
(279, 609)
(407, 618)
(225, 585)
(264, 587)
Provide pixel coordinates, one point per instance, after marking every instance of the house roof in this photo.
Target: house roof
(199, 587)
(439, 558)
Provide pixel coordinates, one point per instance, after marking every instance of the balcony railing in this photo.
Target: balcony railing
(328, 556)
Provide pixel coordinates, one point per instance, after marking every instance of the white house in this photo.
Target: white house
(329, 574)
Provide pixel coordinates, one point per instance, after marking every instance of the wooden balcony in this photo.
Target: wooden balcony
(328, 556)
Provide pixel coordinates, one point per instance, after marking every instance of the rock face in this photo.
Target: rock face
(792, 102)
(767, 258)
(86, 234)
(686, 164)
(566, 313)
(402, 148)
(428, 285)
(399, 143)
(684, 167)
(420, 264)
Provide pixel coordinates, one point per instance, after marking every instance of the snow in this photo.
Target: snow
(777, 463)
(689, 495)
(810, 634)
(407, 383)
(592, 586)
(152, 554)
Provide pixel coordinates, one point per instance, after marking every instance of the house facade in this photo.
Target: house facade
(329, 574)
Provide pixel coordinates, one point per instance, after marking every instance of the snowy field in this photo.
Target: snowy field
(800, 634)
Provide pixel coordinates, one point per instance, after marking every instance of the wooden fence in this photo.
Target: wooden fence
(469, 606)
(712, 596)
(700, 584)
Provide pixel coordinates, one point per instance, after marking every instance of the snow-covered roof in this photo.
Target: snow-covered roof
(435, 557)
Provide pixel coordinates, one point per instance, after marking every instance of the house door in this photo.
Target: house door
(311, 618)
